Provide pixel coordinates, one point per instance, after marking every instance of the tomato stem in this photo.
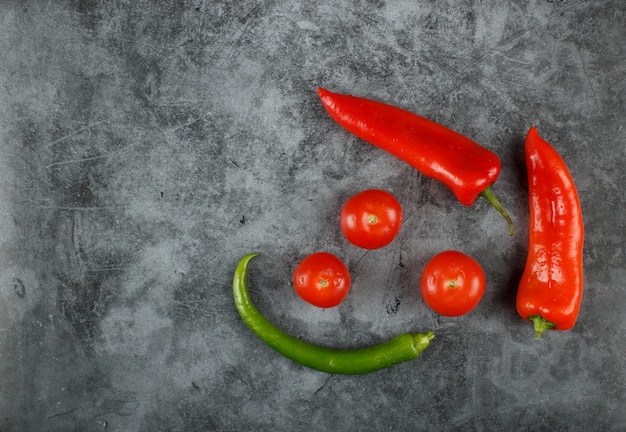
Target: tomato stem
(541, 324)
(493, 200)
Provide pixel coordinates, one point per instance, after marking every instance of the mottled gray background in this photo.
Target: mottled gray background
(146, 147)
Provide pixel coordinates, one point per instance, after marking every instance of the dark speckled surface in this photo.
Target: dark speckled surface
(146, 147)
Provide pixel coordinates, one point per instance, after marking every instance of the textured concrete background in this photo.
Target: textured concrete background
(145, 149)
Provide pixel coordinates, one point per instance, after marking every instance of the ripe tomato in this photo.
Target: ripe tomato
(322, 280)
(371, 219)
(452, 283)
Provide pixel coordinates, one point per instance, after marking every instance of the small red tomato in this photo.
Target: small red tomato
(322, 280)
(371, 219)
(452, 283)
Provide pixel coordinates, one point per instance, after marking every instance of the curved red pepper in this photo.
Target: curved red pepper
(550, 291)
(465, 167)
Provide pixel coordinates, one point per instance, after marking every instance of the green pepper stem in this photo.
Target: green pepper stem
(493, 200)
(422, 340)
(541, 324)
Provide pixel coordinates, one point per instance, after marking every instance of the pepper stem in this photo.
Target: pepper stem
(421, 341)
(493, 200)
(541, 324)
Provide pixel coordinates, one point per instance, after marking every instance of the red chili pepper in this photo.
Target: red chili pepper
(550, 291)
(465, 167)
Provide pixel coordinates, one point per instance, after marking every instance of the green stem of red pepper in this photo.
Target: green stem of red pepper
(493, 200)
(464, 166)
(540, 325)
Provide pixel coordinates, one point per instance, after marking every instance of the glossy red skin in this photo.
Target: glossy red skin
(469, 281)
(552, 282)
(464, 166)
(356, 223)
(318, 267)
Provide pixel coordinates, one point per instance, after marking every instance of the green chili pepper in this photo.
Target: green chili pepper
(402, 348)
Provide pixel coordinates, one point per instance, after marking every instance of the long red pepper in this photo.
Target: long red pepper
(550, 291)
(464, 166)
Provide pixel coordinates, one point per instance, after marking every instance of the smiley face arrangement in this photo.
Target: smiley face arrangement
(452, 283)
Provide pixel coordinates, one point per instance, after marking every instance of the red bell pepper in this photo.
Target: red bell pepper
(550, 291)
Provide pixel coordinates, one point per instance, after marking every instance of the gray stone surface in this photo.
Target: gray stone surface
(146, 147)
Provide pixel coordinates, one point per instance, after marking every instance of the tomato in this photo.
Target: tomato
(322, 280)
(371, 219)
(452, 283)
